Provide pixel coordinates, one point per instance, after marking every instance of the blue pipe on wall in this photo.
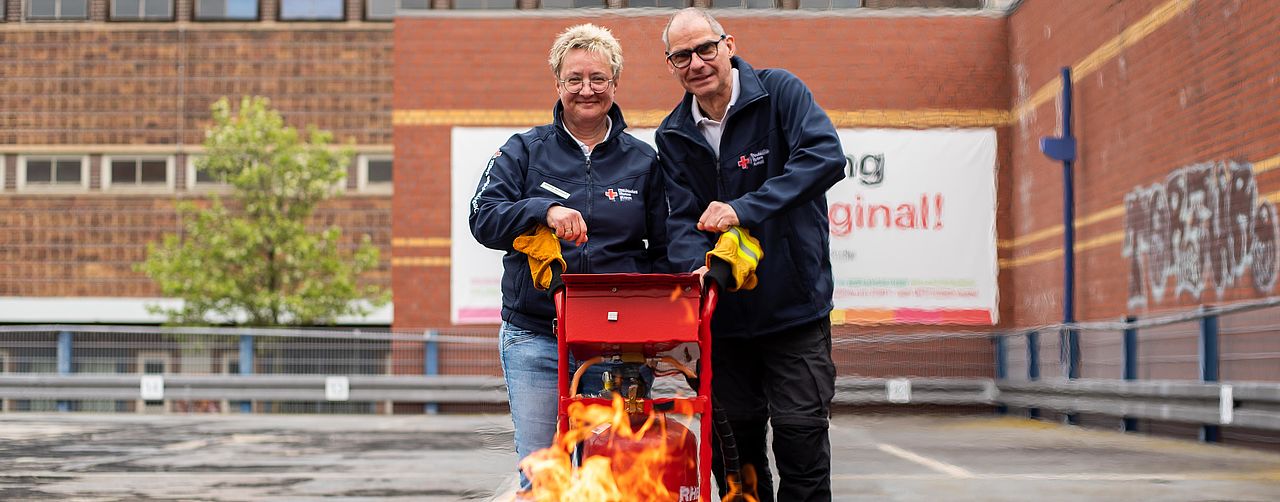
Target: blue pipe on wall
(1063, 149)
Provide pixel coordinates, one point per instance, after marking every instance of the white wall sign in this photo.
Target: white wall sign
(912, 227)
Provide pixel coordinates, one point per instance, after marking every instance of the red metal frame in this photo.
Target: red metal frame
(653, 311)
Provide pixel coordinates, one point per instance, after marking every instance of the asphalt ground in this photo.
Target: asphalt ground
(125, 457)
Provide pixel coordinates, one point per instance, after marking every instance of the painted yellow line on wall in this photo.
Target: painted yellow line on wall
(1022, 240)
(420, 261)
(420, 242)
(1103, 240)
(920, 118)
(1263, 166)
(479, 117)
(923, 118)
(1116, 211)
(1106, 52)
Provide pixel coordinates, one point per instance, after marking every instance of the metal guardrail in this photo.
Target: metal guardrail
(1244, 404)
(936, 391)
(430, 389)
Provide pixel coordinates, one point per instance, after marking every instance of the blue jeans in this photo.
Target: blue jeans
(529, 364)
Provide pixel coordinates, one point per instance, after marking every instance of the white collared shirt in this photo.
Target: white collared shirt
(712, 129)
(586, 150)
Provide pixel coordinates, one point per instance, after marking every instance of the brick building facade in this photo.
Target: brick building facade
(83, 93)
(1169, 92)
(1161, 88)
(91, 83)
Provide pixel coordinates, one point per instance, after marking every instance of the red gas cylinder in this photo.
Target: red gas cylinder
(676, 465)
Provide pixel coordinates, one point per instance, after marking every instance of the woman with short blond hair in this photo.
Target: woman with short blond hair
(601, 192)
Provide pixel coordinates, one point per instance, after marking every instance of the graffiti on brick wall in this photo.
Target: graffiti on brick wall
(1205, 226)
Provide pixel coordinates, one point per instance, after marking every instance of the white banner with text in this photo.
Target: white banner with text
(912, 227)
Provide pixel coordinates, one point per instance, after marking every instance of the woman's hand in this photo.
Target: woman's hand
(568, 224)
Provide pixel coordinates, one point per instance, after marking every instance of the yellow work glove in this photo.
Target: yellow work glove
(543, 248)
(743, 254)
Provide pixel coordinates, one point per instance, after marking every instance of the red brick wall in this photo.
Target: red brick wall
(87, 245)
(101, 84)
(1201, 87)
(851, 64)
(93, 88)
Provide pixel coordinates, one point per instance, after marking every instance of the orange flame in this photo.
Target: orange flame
(743, 490)
(642, 454)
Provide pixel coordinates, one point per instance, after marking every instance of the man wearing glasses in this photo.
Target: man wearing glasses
(751, 148)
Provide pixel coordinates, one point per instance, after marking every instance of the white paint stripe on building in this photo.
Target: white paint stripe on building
(103, 310)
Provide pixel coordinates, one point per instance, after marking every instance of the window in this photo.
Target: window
(138, 10)
(569, 4)
(137, 173)
(374, 174)
(490, 4)
(664, 4)
(426, 4)
(53, 173)
(226, 10)
(311, 10)
(57, 9)
(830, 4)
(202, 181)
(746, 4)
(380, 10)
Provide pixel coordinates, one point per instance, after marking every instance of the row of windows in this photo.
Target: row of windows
(334, 10)
(145, 173)
(211, 10)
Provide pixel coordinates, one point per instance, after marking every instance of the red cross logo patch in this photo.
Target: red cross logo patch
(743, 162)
(612, 195)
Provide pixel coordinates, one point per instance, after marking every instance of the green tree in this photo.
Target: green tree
(260, 265)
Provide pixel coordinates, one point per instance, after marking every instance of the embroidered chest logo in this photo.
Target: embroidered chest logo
(621, 194)
(752, 159)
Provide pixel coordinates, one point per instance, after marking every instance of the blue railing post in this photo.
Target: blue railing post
(1033, 365)
(1209, 367)
(246, 366)
(1033, 356)
(1002, 366)
(1130, 368)
(64, 363)
(1069, 352)
(431, 365)
(1002, 358)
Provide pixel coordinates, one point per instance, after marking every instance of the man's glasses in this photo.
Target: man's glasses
(706, 52)
(597, 83)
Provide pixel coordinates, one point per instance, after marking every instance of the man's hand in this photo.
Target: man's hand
(701, 272)
(568, 224)
(717, 218)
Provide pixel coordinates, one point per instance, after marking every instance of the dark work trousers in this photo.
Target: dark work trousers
(785, 380)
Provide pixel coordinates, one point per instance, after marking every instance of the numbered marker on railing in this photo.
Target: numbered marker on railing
(898, 390)
(337, 388)
(152, 388)
(1226, 405)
